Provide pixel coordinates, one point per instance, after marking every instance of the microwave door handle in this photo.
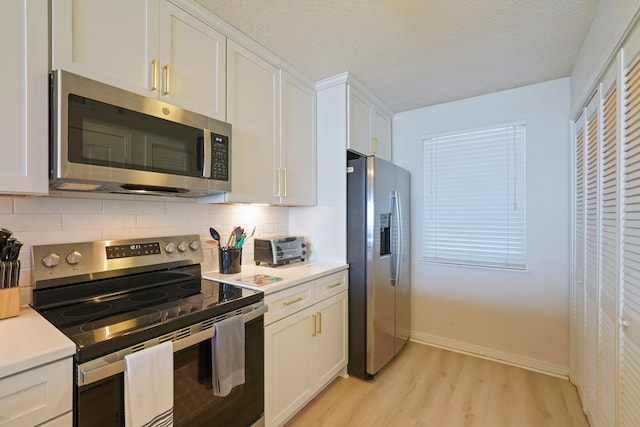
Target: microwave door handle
(206, 152)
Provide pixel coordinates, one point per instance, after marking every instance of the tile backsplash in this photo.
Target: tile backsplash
(63, 218)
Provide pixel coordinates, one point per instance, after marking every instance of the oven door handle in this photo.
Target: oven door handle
(105, 367)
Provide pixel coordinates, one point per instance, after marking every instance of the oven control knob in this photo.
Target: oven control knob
(51, 260)
(170, 248)
(183, 246)
(195, 245)
(74, 258)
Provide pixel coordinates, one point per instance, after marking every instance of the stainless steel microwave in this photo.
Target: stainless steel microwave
(105, 139)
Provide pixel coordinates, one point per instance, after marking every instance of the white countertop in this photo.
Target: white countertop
(29, 340)
(291, 274)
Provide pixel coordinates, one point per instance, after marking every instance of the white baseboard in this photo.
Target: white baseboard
(524, 362)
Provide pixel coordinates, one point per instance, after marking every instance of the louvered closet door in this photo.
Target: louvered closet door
(592, 256)
(579, 256)
(630, 307)
(609, 262)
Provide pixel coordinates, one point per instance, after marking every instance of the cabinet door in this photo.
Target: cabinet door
(359, 122)
(192, 58)
(330, 344)
(629, 321)
(288, 371)
(381, 138)
(24, 100)
(253, 106)
(37, 395)
(111, 41)
(298, 144)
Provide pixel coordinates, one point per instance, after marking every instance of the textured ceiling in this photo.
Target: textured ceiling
(415, 53)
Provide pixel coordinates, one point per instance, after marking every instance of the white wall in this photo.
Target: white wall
(49, 220)
(325, 225)
(518, 317)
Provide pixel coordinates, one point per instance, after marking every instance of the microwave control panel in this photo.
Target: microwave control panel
(220, 157)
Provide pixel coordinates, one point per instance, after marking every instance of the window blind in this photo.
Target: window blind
(474, 198)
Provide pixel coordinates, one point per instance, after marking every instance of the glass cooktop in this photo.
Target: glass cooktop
(105, 324)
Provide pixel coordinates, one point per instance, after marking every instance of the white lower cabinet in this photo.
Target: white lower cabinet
(40, 395)
(307, 349)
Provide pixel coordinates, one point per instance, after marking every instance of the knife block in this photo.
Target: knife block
(9, 302)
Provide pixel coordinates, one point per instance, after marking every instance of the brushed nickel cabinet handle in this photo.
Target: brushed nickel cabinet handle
(287, 303)
(154, 75)
(167, 72)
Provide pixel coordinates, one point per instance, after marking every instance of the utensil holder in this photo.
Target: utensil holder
(9, 302)
(9, 289)
(230, 260)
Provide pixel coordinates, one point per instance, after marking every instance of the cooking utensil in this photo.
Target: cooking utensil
(214, 233)
(6, 252)
(4, 236)
(232, 236)
(15, 250)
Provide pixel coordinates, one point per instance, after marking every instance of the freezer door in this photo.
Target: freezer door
(402, 284)
(381, 260)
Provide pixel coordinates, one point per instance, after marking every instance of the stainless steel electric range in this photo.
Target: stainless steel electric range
(113, 298)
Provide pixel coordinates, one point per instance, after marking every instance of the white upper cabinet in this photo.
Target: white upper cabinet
(253, 89)
(381, 134)
(193, 60)
(150, 47)
(359, 123)
(106, 41)
(297, 183)
(273, 145)
(369, 125)
(24, 101)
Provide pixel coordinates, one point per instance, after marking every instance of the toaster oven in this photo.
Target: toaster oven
(280, 250)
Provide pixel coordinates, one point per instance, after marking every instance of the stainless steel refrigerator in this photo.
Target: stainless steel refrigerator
(378, 256)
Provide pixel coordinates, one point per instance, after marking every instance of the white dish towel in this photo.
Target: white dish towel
(148, 387)
(227, 355)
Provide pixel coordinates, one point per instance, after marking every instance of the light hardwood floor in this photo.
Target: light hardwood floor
(427, 386)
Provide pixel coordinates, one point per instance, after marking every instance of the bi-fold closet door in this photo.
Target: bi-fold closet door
(606, 263)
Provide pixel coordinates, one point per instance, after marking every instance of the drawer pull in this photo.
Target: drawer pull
(335, 285)
(286, 303)
(315, 325)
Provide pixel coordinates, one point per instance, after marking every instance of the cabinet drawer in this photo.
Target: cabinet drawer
(288, 301)
(37, 395)
(331, 285)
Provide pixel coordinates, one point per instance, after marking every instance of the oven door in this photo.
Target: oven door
(100, 402)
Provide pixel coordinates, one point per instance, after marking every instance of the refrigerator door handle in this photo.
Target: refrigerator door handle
(395, 201)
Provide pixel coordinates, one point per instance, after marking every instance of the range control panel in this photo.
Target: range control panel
(87, 259)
